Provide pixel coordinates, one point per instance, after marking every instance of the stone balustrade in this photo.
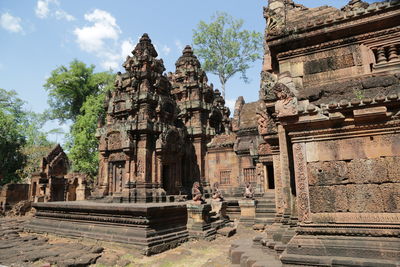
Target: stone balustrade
(386, 53)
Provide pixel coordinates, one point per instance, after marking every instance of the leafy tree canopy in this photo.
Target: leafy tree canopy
(224, 48)
(69, 87)
(21, 138)
(83, 144)
(11, 144)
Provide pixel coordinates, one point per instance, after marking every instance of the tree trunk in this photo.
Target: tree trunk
(223, 81)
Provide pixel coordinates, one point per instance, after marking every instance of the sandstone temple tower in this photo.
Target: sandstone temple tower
(140, 119)
(155, 134)
(202, 112)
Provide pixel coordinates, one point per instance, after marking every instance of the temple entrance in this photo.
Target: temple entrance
(34, 190)
(168, 179)
(117, 170)
(270, 176)
(57, 189)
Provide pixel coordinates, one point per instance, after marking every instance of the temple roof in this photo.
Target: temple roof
(248, 115)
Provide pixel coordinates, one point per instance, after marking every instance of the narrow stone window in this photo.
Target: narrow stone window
(249, 175)
(225, 177)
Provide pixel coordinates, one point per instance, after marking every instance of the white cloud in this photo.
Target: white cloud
(61, 14)
(230, 103)
(102, 39)
(166, 50)
(179, 45)
(92, 38)
(42, 9)
(10, 23)
(46, 8)
(126, 48)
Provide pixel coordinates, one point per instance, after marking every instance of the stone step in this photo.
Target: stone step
(266, 206)
(265, 210)
(227, 231)
(244, 254)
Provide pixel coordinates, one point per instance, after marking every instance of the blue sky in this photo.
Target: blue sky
(36, 36)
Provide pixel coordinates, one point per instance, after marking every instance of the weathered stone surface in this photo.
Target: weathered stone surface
(19, 249)
(327, 173)
(390, 193)
(374, 82)
(152, 228)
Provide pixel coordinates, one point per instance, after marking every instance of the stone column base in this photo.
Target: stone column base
(199, 223)
(247, 211)
(219, 218)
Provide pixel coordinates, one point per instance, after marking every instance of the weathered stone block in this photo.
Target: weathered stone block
(199, 222)
(327, 173)
(365, 198)
(393, 168)
(385, 81)
(328, 199)
(390, 193)
(247, 211)
(362, 171)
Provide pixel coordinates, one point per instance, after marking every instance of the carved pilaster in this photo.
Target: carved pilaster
(300, 163)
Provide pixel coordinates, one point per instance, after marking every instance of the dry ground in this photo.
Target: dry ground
(18, 248)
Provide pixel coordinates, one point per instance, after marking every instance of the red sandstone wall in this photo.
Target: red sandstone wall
(220, 161)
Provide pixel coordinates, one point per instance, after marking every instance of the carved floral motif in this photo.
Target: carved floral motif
(303, 201)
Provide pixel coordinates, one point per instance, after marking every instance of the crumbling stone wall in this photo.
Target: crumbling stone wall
(11, 194)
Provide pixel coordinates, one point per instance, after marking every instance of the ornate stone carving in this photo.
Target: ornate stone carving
(268, 80)
(355, 5)
(286, 92)
(303, 202)
(266, 124)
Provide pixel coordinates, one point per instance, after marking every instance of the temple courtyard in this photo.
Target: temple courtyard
(21, 248)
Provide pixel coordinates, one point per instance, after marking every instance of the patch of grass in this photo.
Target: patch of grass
(168, 264)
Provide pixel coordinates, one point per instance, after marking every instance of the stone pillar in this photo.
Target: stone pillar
(199, 223)
(285, 174)
(80, 190)
(247, 211)
(278, 187)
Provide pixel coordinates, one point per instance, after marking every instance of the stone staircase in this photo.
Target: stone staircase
(247, 253)
(265, 209)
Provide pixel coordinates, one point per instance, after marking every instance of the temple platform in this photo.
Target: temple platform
(150, 227)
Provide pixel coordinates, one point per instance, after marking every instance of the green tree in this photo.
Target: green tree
(11, 104)
(83, 144)
(11, 144)
(22, 142)
(224, 48)
(69, 87)
(37, 144)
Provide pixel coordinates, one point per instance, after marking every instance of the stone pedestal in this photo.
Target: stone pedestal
(219, 207)
(151, 227)
(199, 221)
(218, 210)
(247, 211)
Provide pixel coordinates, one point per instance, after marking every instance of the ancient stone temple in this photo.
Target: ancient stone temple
(152, 149)
(49, 184)
(329, 116)
(149, 118)
(140, 125)
(202, 112)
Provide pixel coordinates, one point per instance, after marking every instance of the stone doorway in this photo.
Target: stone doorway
(270, 177)
(169, 178)
(57, 190)
(117, 171)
